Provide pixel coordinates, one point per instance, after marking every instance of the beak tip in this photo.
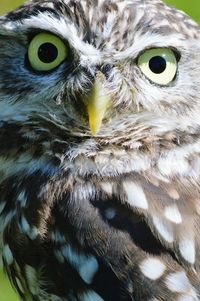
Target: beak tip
(97, 104)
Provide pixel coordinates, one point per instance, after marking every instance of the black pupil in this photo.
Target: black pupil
(157, 64)
(47, 53)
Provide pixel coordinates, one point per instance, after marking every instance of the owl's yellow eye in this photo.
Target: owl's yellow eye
(159, 65)
(46, 52)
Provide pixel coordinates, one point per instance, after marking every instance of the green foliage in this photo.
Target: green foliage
(6, 292)
(191, 7)
(7, 5)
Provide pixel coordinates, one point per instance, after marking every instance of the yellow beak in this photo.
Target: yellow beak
(97, 102)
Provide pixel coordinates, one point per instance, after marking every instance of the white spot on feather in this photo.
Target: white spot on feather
(58, 237)
(59, 256)
(178, 282)
(33, 233)
(135, 195)
(30, 231)
(87, 266)
(107, 187)
(7, 255)
(31, 276)
(5, 219)
(20, 287)
(88, 269)
(152, 268)
(22, 198)
(188, 298)
(25, 227)
(2, 206)
(172, 213)
(187, 250)
(164, 230)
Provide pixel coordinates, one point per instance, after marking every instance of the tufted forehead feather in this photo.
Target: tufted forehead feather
(103, 14)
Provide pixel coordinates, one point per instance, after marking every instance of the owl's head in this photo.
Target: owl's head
(103, 72)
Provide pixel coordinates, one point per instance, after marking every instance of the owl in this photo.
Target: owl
(100, 151)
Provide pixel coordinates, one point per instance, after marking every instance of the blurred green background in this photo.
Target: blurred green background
(191, 7)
